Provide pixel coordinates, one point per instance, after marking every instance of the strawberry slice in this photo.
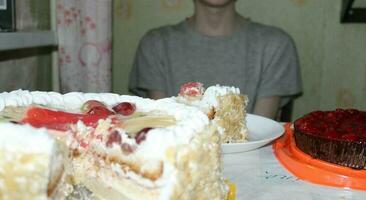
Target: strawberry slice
(59, 120)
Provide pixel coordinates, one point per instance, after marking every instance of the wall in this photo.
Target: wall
(332, 55)
(41, 16)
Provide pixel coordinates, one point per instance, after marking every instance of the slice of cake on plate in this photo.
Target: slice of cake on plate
(126, 147)
(224, 106)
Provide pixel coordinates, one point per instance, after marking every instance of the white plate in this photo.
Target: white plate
(261, 132)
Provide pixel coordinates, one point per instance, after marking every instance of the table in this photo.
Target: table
(259, 176)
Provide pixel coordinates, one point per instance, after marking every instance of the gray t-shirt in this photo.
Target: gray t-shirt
(261, 60)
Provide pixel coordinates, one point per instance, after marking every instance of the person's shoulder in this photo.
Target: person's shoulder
(164, 31)
(269, 33)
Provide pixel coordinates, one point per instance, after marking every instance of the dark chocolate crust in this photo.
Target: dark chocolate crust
(341, 152)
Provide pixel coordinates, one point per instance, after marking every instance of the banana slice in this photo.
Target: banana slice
(12, 113)
(134, 125)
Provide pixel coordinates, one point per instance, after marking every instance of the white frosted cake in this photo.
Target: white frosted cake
(225, 107)
(31, 162)
(121, 147)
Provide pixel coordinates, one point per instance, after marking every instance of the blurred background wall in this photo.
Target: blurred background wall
(28, 68)
(332, 55)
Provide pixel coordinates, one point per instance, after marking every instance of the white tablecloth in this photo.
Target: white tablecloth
(259, 176)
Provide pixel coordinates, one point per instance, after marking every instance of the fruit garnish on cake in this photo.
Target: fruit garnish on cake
(95, 123)
(192, 90)
(337, 136)
(123, 114)
(223, 105)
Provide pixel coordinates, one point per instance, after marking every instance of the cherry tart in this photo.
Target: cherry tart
(338, 136)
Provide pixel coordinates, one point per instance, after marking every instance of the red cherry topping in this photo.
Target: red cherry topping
(191, 89)
(141, 135)
(332, 134)
(100, 111)
(350, 137)
(114, 137)
(91, 104)
(125, 108)
(341, 124)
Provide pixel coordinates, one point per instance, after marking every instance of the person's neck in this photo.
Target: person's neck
(213, 21)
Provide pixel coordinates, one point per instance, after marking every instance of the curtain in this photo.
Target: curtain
(84, 30)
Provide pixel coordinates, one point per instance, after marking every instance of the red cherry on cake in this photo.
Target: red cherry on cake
(350, 137)
(91, 104)
(141, 135)
(125, 108)
(332, 134)
(100, 111)
(191, 89)
(114, 137)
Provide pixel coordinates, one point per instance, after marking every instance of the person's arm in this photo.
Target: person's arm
(280, 75)
(156, 94)
(267, 106)
(148, 70)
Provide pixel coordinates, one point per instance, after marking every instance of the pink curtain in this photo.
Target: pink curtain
(84, 30)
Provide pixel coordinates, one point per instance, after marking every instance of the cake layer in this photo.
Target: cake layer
(191, 172)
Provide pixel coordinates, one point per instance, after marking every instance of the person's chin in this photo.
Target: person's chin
(216, 3)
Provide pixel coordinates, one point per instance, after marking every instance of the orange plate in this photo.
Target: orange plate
(313, 170)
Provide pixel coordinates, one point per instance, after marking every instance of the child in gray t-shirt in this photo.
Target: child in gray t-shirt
(260, 60)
